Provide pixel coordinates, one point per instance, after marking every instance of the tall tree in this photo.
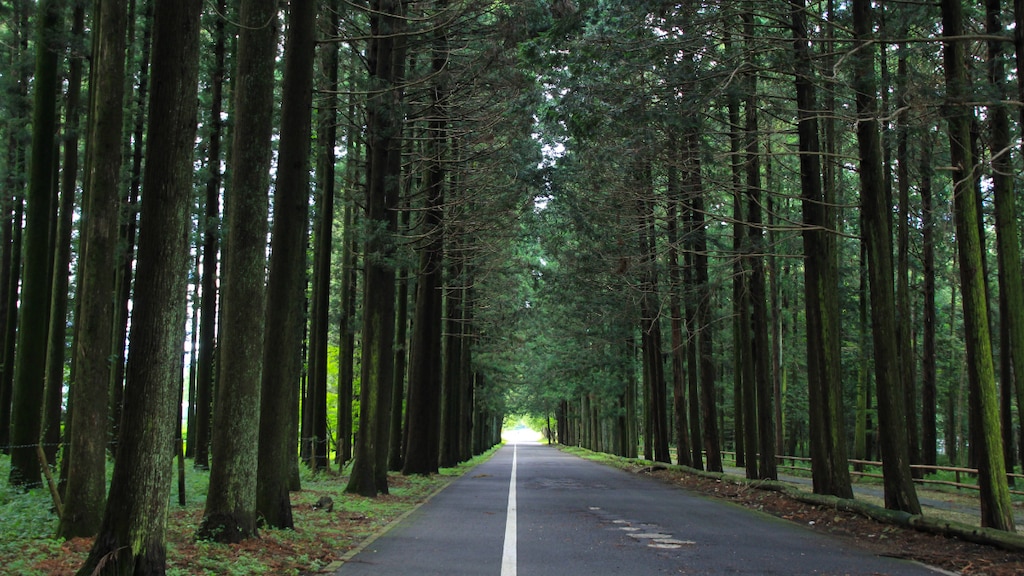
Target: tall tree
(316, 452)
(929, 360)
(16, 109)
(650, 328)
(1008, 239)
(384, 125)
(877, 239)
(905, 320)
(86, 480)
(30, 363)
(829, 469)
(130, 540)
(423, 433)
(130, 203)
(56, 351)
(702, 284)
(199, 439)
(995, 497)
(678, 350)
(285, 320)
(760, 352)
(230, 514)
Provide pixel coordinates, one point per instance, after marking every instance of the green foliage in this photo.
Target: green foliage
(27, 525)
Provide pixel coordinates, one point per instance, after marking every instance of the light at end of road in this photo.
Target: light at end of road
(520, 435)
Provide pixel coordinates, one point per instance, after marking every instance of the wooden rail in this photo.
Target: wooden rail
(956, 470)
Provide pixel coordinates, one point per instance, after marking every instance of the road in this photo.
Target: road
(561, 515)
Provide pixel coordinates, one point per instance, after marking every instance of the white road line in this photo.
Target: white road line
(508, 555)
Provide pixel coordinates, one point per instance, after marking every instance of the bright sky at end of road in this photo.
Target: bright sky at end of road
(521, 434)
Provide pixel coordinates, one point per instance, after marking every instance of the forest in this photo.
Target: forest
(356, 235)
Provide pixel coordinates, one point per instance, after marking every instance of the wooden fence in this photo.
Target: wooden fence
(858, 463)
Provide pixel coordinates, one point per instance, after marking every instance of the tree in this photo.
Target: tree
(285, 320)
(315, 448)
(86, 480)
(130, 540)
(678, 354)
(30, 363)
(56, 348)
(829, 469)
(877, 239)
(760, 352)
(199, 437)
(369, 476)
(423, 433)
(995, 497)
(230, 514)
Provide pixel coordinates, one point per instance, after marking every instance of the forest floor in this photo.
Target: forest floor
(951, 554)
(321, 538)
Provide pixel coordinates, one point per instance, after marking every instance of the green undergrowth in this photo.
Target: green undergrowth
(320, 537)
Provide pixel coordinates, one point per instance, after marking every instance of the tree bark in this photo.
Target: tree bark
(929, 396)
(760, 351)
(678, 353)
(384, 136)
(130, 541)
(211, 229)
(86, 481)
(56, 353)
(877, 238)
(230, 514)
(30, 363)
(130, 207)
(650, 328)
(995, 497)
(423, 433)
(829, 468)
(702, 284)
(286, 289)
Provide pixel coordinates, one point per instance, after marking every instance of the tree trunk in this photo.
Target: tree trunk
(829, 468)
(929, 396)
(86, 481)
(230, 514)
(760, 351)
(705, 341)
(678, 353)
(384, 137)
(995, 498)
(130, 541)
(346, 328)
(877, 238)
(692, 337)
(452, 359)
(126, 240)
(398, 386)
(56, 347)
(738, 286)
(905, 320)
(1011, 289)
(286, 288)
(30, 363)
(206, 376)
(650, 328)
(423, 433)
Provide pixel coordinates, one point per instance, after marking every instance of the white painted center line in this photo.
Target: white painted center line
(508, 555)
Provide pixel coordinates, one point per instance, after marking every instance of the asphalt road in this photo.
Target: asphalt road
(565, 516)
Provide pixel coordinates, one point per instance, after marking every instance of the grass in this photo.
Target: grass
(320, 538)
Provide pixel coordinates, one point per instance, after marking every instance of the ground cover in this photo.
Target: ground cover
(329, 524)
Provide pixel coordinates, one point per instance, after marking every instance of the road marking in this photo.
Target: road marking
(508, 555)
